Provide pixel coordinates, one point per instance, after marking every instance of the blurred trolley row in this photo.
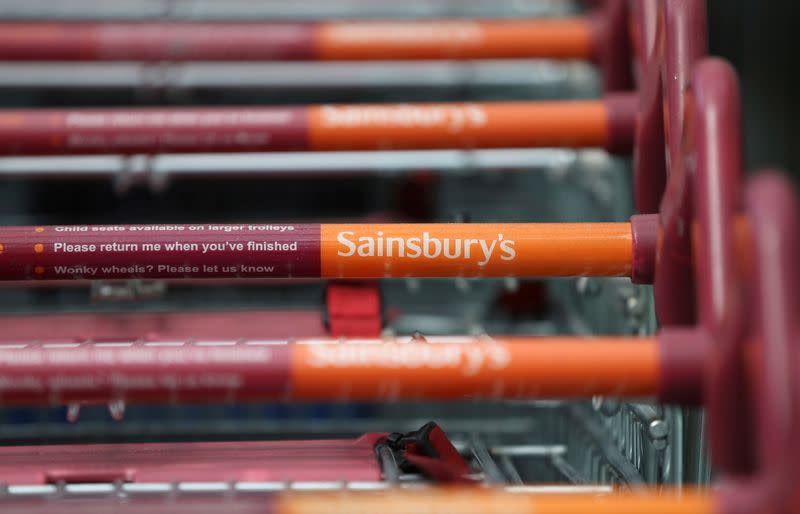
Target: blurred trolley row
(320, 232)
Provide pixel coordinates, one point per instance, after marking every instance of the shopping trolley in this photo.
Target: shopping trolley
(605, 442)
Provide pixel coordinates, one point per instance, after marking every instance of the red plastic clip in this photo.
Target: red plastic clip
(354, 309)
(429, 451)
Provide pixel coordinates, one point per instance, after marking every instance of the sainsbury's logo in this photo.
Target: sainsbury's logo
(454, 117)
(400, 33)
(469, 359)
(426, 247)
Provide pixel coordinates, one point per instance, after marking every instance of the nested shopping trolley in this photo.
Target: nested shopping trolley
(560, 422)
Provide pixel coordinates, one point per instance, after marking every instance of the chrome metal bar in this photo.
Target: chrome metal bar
(157, 171)
(276, 9)
(264, 76)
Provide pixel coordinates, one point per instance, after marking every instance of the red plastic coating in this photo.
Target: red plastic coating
(221, 462)
(685, 43)
(147, 326)
(127, 131)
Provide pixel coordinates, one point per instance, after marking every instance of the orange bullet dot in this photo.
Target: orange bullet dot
(38, 248)
(39, 229)
(38, 270)
(2, 248)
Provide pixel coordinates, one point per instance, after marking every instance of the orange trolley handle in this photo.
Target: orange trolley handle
(355, 251)
(607, 123)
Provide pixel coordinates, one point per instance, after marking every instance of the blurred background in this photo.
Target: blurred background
(759, 39)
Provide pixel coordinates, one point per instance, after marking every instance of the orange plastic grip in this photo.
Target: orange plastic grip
(459, 125)
(499, 368)
(483, 501)
(476, 250)
(456, 39)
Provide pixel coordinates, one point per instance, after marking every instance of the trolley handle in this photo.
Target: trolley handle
(601, 36)
(684, 44)
(771, 482)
